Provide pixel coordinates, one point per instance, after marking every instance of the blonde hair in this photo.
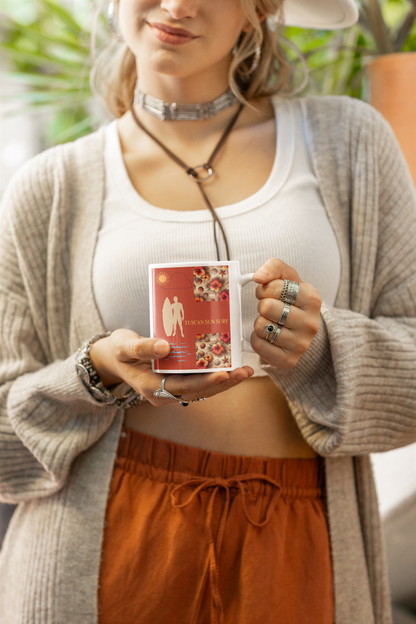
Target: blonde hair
(114, 68)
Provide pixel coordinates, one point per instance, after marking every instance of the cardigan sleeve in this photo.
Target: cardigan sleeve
(47, 417)
(354, 391)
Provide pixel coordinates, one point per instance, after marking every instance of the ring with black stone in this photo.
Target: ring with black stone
(275, 335)
(272, 332)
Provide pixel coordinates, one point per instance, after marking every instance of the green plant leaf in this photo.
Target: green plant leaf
(65, 16)
(47, 80)
(39, 60)
(43, 96)
(76, 130)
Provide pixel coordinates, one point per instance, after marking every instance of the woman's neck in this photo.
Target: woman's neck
(185, 92)
(201, 87)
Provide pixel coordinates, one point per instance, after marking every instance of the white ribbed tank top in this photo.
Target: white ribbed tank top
(285, 219)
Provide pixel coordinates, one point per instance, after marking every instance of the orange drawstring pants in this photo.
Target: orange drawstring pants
(199, 537)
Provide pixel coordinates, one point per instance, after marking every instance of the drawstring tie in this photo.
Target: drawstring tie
(214, 546)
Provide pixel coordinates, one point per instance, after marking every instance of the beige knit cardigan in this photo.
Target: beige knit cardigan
(352, 393)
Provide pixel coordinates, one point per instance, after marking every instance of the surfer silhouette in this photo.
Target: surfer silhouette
(177, 315)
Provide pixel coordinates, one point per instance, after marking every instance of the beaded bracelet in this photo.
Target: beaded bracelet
(91, 379)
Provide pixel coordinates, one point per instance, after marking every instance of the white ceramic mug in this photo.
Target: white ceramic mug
(197, 309)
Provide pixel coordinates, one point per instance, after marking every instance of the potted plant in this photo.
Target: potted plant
(391, 70)
(374, 60)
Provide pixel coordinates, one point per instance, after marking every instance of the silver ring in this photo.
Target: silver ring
(209, 171)
(164, 394)
(290, 292)
(270, 330)
(275, 335)
(285, 314)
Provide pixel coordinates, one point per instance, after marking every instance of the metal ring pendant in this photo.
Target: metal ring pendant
(207, 169)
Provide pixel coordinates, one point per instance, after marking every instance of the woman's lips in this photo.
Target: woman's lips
(170, 34)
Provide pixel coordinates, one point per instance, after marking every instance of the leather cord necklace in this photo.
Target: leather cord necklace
(194, 172)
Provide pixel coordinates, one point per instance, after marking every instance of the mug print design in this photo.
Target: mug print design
(198, 335)
(173, 316)
(173, 313)
(211, 283)
(213, 350)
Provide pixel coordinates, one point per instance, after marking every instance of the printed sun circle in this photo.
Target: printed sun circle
(162, 278)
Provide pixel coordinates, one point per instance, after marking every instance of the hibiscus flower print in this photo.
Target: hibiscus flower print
(214, 349)
(215, 285)
(199, 299)
(217, 348)
(211, 283)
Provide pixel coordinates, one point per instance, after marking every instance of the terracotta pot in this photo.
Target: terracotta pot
(392, 82)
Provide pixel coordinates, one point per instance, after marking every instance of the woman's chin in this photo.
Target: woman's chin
(165, 63)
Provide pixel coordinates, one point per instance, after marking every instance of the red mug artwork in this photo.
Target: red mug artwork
(197, 309)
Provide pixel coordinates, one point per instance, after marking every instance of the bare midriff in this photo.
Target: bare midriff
(251, 419)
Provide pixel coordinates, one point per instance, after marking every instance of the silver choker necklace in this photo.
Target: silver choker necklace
(182, 112)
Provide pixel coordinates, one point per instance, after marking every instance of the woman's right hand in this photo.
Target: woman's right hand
(124, 356)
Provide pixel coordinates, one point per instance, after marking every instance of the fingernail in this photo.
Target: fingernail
(261, 274)
(159, 348)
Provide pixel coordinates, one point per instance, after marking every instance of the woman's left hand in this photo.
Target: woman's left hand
(302, 323)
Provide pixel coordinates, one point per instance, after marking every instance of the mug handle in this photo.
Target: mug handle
(245, 279)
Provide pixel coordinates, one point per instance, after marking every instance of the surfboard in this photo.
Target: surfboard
(167, 317)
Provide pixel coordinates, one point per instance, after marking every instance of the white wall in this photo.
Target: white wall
(395, 475)
(19, 134)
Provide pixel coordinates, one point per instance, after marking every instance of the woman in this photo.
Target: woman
(143, 510)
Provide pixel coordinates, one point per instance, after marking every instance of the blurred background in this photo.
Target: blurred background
(46, 98)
